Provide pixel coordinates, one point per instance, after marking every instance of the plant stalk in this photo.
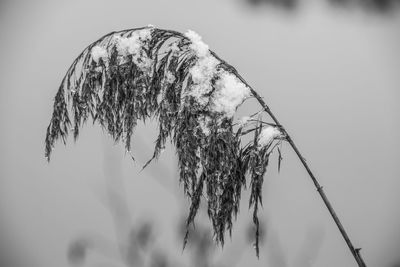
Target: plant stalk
(355, 252)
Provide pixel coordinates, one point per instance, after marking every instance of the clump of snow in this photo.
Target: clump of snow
(98, 52)
(203, 70)
(268, 135)
(169, 77)
(133, 45)
(197, 45)
(230, 93)
(204, 125)
(202, 73)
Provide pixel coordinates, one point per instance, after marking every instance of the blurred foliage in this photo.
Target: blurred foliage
(77, 252)
(286, 4)
(377, 6)
(373, 5)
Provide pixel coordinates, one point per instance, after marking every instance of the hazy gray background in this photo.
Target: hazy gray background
(331, 75)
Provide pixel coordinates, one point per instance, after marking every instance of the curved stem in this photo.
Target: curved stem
(355, 252)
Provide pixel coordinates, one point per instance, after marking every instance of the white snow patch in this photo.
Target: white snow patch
(204, 122)
(197, 45)
(268, 135)
(133, 45)
(202, 73)
(98, 52)
(230, 93)
(169, 77)
(203, 70)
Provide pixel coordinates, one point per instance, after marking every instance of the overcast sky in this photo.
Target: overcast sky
(331, 76)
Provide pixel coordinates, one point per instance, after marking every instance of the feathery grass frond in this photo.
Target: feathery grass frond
(137, 74)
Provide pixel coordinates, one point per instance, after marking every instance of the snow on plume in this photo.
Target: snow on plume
(132, 45)
(204, 125)
(99, 52)
(203, 71)
(197, 45)
(169, 77)
(268, 135)
(230, 93)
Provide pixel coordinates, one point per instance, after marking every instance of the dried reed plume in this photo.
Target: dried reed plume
(144, 73)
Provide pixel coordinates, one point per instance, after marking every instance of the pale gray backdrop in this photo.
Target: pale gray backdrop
(331, 76)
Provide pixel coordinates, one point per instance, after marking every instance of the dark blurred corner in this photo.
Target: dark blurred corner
(284, 4)
(379, 6)
(376, 6)
(12, 255)
(3, 3)
(7, 256)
